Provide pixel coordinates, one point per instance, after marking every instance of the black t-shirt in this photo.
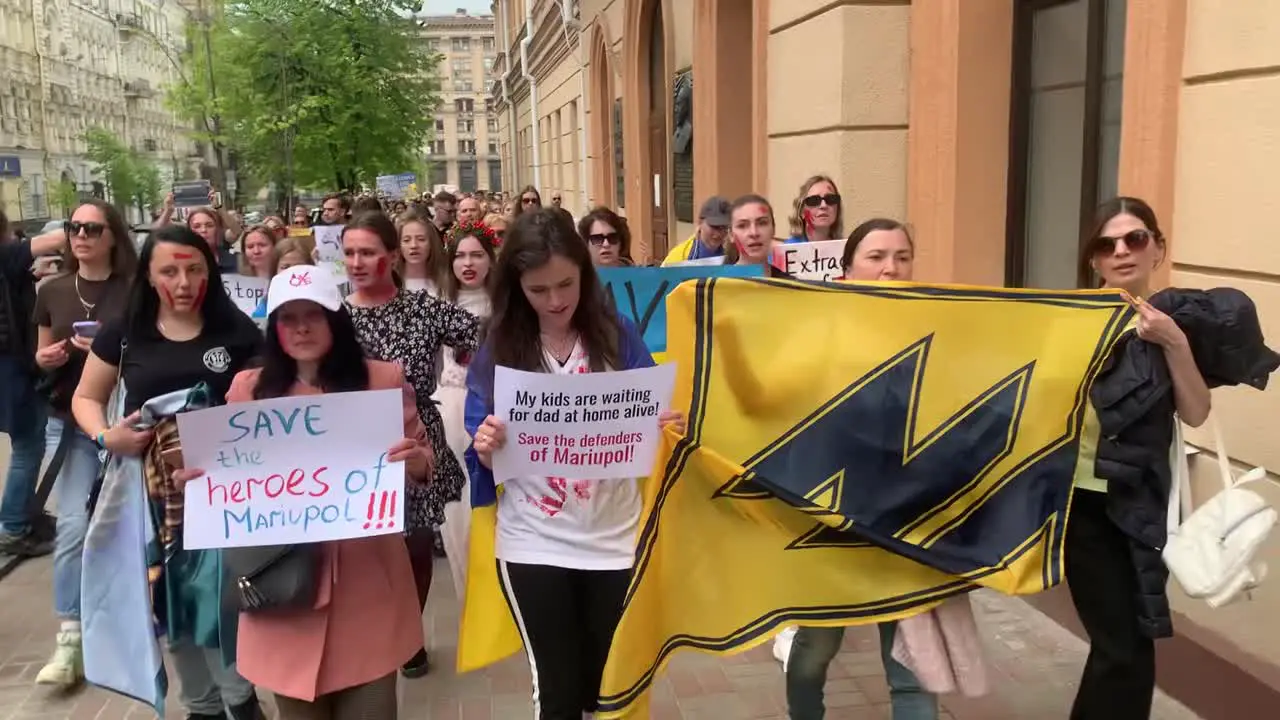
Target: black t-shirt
(154, 365)
(67, 300)
(18, 286)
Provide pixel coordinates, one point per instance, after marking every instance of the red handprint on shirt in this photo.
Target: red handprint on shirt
(553, 502)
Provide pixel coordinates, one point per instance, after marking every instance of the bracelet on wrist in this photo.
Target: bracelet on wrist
(101, 440)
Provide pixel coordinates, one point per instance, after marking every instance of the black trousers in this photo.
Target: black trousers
(1120, 674)
(566, 618)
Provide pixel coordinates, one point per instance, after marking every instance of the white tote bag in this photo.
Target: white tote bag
(1211, 549)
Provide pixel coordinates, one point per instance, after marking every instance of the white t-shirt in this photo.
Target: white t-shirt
(562, 522)
(421, 285)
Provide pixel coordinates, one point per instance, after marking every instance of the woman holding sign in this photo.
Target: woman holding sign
(409, 328)
(565, 548)
(337, 660)
(180, 329)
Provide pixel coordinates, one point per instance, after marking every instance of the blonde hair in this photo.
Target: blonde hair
(798, 226)
(243, 266)
(305, 245)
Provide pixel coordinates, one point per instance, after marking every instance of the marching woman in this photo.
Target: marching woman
(878, 249)
(608, 236)
(338, 659)
(471, 253)
(752, 234)
(409, 328)
(294, 250)
(258, 256)
(69, 310)
(565, 547)
(422, 263)
(180, 329)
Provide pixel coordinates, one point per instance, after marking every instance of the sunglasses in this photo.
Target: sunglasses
(831, 199)
(603, 238)
(1135, 240)
(529, 201)
(91, 230)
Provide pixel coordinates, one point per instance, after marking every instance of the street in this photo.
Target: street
(1034, 665)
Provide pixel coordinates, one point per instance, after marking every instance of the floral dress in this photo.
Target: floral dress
(410, 330)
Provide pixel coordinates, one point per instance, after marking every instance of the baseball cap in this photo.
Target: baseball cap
(304, 282)
(715, 211)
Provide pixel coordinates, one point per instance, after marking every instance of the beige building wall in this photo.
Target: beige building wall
(837, 103)
(1225, 224)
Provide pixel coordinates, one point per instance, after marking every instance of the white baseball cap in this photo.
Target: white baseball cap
(304, 282)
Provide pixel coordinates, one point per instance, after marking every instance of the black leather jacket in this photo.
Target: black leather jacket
(1133, 396)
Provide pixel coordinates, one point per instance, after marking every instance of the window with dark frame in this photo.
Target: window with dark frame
(1068, 61)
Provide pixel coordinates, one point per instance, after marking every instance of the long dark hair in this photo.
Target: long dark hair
(487, 240)
(519, 210)
(124, 255)
(343, 368)
(218, 311)
(613, 220)
(513, 338)
(1116, 206)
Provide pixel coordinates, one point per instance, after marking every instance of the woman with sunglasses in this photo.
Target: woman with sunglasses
(498, 224)
(1103, 571)
(816, 214)
(339, 660)
(180, 329)
(69, 310)
(530, 200)
(607, 236)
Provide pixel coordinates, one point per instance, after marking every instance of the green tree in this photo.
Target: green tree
(313, 93)
(63, 195)
(130, 178)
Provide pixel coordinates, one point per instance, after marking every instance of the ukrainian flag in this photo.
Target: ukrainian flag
(855, 453)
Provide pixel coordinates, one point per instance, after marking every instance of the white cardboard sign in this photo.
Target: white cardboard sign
(809, 260)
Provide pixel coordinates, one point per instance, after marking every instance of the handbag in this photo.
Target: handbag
(274, 577)
(1211, 549)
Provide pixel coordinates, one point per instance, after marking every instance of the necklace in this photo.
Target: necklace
(86, 306)
(561, 350)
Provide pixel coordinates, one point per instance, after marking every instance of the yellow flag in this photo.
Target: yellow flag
(828, 422)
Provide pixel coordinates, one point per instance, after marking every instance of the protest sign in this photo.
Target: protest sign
(248, 293)
(585, 426)
(640, 293)
(329, 249)
(715, 261)
(298, 469)
(195, 193)
(395, 186)
(810, 260)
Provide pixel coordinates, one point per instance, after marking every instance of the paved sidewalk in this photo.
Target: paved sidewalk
(1035, 664)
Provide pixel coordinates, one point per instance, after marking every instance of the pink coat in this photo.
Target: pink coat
(366, 622)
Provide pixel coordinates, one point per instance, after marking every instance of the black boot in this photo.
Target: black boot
(249, 710)
(202, 716)
(417, 666)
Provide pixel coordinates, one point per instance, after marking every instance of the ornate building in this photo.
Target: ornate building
(70, 65)
(463, 151)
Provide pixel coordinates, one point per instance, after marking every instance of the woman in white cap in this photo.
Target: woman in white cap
(337, 660)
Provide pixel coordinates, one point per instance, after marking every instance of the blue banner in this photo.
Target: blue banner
(640, 293)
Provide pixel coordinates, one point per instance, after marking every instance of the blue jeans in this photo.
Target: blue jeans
(811, 653)
(26, 454)
(75, 481)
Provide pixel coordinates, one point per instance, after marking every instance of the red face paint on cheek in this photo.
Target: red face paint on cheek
(380, 268)
(200, 293)
(166, 296)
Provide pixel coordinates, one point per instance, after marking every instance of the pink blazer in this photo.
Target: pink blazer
(366, 623)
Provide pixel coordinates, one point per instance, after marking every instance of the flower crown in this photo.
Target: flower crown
(472, 229)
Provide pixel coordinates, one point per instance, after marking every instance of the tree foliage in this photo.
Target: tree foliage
(338, 90)
(130, 177)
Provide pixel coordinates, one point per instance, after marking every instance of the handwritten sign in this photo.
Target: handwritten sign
(288, 470)
(589, 426)
(248, 293)
(810, 260)
(640, 293)
(329, 249)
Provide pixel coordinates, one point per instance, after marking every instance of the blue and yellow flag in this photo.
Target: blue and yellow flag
(855, 454)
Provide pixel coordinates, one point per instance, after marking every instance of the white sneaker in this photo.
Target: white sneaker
(782, 646)
(66, 668)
